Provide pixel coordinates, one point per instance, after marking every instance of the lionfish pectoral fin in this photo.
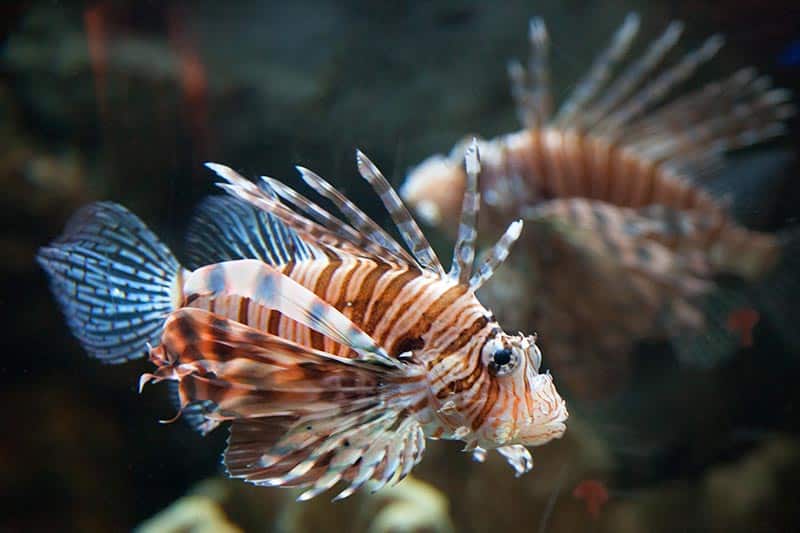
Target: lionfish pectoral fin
(114, 280)
(300, 417)
(518, 456)
(369, 445)
(531, 88)
(267, 286)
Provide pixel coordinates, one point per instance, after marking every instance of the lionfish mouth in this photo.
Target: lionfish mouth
(549, 416)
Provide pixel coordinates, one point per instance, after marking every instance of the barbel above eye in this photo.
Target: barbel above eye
(536, 357)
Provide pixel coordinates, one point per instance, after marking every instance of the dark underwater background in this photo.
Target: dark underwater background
(124, 101)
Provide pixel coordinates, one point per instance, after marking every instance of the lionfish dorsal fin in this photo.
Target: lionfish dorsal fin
(225, 228)
(408, 228)
(599, 72)
(658, 88)
(269, 287)
(357, 218)
(496, 255)
(300, 417)
(464, 250)
(324, 230)
(314, 212)
(632, 76)
(531, 89)
(461, 269)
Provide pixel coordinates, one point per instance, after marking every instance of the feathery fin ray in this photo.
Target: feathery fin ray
(114, 279)
(301, 417)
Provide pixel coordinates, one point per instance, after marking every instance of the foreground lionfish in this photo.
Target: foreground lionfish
(622, 242)
(331, 349)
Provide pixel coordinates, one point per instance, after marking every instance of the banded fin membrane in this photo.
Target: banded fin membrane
(300, 417)
(114, 280)
(195, 414)
(225, 228)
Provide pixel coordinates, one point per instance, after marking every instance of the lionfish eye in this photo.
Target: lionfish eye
(501, 357)
(503, 361)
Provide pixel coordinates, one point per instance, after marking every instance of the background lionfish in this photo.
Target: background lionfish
(331, 349)
(622, 242)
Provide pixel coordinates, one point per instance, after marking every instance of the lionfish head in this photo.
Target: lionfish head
(529, 410)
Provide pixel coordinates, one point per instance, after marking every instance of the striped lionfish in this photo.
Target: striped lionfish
(332, 350)
(623, 242)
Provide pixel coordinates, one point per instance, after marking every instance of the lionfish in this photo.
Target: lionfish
(623, 242)
(332, 350)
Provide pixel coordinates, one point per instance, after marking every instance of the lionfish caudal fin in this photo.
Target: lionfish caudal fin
(362, 236)
(300, 417)
(687, 134)
(114, 280)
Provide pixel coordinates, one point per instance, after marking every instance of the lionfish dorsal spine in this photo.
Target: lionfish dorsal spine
(531, 89)
(406, 226)
(599, 72)
(630, 78)
(659, 87)
(334, 238)
(315, 212)
(464, 250)
(495, 257)
(357, 218)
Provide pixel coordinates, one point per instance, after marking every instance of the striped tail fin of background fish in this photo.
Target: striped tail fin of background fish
(331, 349)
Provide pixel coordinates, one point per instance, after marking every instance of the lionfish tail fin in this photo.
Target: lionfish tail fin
(114, 280)
(300, 417)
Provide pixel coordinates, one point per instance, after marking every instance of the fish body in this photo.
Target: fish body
(623, 241)
(331, 350)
